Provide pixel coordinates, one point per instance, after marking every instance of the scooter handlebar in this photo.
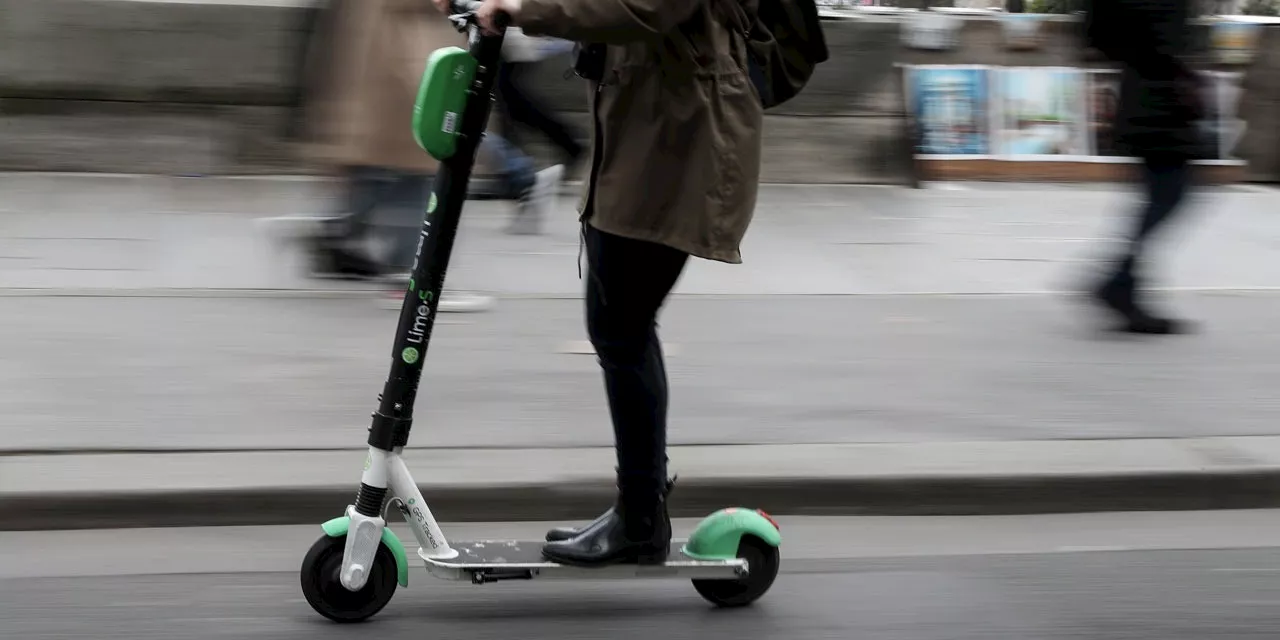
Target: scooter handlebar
(466, 6)
(470, 7)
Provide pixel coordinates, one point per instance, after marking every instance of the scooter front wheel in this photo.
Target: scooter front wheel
(322, 584)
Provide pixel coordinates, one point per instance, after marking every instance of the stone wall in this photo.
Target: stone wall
(141, 86)
(206, 87)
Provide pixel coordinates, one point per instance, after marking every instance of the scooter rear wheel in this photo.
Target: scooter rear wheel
(322, 586)
(763, 561)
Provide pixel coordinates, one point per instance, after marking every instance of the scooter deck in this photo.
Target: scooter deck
(493, 560)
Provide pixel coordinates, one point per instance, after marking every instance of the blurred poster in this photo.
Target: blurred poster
(950, 107)
(1022, 31)
(1041, 112)
(1222, 125)
(1104, 109)
(1230, 91)
(1234, 42)
(931, 30)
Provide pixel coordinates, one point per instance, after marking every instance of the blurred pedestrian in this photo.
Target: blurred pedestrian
(359, 127)
(534, 192)
(520, 53)
(1161, 100)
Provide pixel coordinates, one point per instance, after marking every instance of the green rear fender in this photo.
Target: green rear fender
(337, 527)
(717, 536)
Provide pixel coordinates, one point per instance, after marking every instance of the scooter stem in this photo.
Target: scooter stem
(392, 421)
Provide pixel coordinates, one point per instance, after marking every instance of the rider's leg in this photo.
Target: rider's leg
(628, 281)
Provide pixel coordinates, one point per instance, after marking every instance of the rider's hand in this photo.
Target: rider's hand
(491, 8)
(487, 12)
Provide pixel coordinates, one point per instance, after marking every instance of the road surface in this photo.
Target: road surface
(286, 373)
(1099, 577)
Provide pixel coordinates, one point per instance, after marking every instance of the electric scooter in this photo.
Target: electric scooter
(353, 570)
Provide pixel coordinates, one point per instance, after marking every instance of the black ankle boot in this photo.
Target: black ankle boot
(564, 533)
(637, 530)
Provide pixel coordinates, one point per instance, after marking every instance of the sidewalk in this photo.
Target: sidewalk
(121, 234)
(162, 360)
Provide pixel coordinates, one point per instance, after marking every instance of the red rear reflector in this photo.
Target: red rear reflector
(770, 519)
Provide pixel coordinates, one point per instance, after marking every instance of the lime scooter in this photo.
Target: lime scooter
(352, 571)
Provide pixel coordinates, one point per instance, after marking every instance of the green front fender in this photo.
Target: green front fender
(717, 536)
(337, 527)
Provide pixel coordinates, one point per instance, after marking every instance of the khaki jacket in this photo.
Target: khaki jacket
(676, 145)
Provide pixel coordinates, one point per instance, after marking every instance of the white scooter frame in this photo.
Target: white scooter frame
(486, 560)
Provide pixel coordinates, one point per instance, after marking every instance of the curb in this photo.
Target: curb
(882, 496)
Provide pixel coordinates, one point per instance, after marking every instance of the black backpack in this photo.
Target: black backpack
(785, 43)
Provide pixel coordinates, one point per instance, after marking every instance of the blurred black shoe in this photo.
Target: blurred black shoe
(1119, 296)
(330, 259)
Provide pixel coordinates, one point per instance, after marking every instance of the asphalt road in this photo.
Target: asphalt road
(190, 373)
(976, 590)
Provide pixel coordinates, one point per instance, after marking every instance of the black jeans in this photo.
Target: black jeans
(1166, 181)
(628, 280)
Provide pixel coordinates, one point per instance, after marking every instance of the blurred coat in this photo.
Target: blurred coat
(1151, 40)
(677, 122)
(369, 68)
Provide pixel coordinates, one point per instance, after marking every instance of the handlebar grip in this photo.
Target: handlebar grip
(471, 6)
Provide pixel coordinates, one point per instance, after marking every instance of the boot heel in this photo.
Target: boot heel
(652, 556)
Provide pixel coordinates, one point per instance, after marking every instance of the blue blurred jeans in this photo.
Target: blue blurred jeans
(389, 204)
(514, 167)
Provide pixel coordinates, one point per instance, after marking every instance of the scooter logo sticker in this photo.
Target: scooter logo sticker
(421, 518)
(409, 355)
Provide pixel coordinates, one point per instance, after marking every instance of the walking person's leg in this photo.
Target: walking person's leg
(522, 108)
(400, 222)
(1166, 182)
(400, 225)
(514, 168)
(628, 282)
(339, 245)
(535, 191)
(502, 104)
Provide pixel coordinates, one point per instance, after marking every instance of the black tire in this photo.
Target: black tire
(325, 593)
(763, 561)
